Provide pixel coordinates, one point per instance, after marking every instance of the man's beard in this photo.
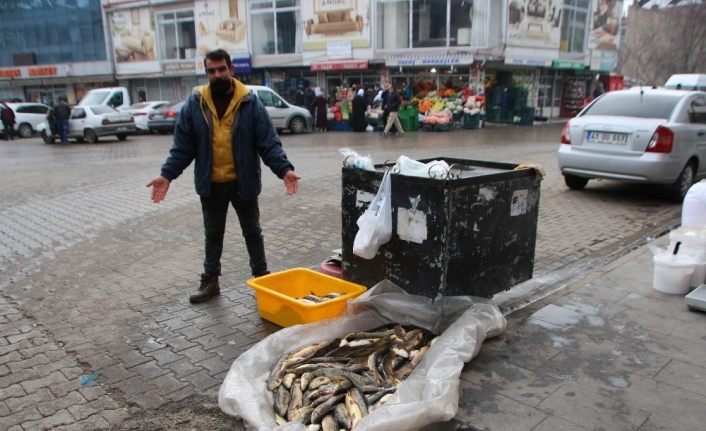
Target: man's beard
(220, 86)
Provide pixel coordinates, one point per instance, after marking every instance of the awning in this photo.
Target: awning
(429, 60)
(339, 65)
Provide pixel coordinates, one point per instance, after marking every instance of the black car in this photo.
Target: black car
(164, 120)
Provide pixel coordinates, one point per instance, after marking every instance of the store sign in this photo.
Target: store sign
(604, 61)
(325, 21)
(339, 65)
(25, 72)
(534, 23)
(569, 64)
(519, 61)
(242, 65)
(429, 60)
(339, 49)
(182, 68)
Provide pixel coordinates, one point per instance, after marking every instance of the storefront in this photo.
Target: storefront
(424, 73)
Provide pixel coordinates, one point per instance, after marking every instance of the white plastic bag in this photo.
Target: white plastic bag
(351, 159)
(413, 168)
(693, 214)
(429, 394)
(375, 225)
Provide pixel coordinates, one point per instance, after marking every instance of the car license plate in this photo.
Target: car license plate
(122, 129)
(606, 138)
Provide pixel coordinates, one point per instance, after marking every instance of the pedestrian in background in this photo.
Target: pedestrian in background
(8, 121)
(62, 113)
(392, 104)
(227, 169)
(358, 115)
(319, 110)
(599, 89)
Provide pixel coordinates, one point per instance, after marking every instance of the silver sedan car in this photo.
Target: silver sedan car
(640, 135)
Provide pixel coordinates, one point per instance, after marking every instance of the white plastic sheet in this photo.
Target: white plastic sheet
(429, 394)
(375, 224)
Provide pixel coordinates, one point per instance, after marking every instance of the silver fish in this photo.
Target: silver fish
(356, 406)
(340, 412)
(323, 409)
(282, 398)
(296, 401)
(329, 423)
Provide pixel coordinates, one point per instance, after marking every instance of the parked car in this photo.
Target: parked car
(284, 115)
(655, 136)
(141, 111)
(164, 119)
(27, 117)
(88, 123)
(687, 81)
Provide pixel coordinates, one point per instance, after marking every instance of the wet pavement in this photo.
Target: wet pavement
(96, 330)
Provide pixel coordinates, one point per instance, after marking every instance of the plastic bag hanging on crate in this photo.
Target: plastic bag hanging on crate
(375, 225)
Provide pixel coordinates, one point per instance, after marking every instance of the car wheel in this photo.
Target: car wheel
(90, 136)
(681, 186)
(574, 182)
(48, 139)
(122, 136)
(297, 125)
(25, 130)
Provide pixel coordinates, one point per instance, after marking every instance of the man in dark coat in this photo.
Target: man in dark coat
(227, 131)
(8, 121)
(62, 112)
(392, 104)
(358, 116)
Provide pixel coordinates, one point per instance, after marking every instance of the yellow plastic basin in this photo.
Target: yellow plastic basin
(276, 296)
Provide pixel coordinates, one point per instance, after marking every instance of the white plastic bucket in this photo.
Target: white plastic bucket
(672, 273)
(693, 244)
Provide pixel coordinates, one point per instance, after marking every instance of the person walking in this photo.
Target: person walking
(392, 105)
(226, 130)
(8, 121)
(61, 113)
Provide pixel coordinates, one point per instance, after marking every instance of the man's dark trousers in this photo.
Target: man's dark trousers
(215, 210)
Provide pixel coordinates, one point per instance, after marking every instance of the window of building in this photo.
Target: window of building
(574, 25)
(274, 26)
(177, 34)
(406, 24)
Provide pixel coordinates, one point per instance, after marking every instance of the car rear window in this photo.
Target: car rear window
(139, 105)
(634, 104)
(100, 109)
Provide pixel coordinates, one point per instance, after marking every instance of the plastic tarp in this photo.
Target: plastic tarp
(429, 394)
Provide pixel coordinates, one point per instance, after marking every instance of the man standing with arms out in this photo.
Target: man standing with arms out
(392, 104)
(62, 112)
(226, 129)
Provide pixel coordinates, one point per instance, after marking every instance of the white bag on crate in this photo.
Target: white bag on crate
(375, 225)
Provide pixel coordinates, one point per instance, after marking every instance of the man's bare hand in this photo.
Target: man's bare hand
(291, 182)
(159, 185)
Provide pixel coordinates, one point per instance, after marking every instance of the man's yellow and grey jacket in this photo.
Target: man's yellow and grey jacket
(252, 137)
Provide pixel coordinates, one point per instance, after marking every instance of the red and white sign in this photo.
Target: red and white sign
(339, 65)
(44, 71)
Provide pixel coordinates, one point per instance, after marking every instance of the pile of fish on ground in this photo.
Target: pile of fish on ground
(331, 385)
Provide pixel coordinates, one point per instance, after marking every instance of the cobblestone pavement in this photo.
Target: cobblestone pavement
(95, 327)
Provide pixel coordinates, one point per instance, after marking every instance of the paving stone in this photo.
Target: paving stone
(82, 411)
(12, 392)
(95, 422)
(62, 417)
(104, 402)
(553, 423)
(4, 370)
(131, 358)
(51, 407)
(150, 400)
(214, 365)
(12, 356)
(42, 382)
(196, 354)
(18, 404)
(149, 371)
(201, 380)
(115, 416)
(182, 368)
(115, 373)
(178, 344)
(61, 389)
(164, 356)
(18, 377)
(92, 392)
(55, 365)
(167, 383)
(134, 386)
(25, 415)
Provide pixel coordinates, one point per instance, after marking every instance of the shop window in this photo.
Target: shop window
(432, 23)
(177, 34)
(274, 26)
(574, 25)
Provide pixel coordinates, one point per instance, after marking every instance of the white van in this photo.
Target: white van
(116, 97)
(687, 81)
(284, 115)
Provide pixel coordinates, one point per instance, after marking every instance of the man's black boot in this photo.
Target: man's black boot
(208, 289)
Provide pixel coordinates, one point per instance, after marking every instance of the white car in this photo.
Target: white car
(141, 112)
(88, 123)
(647, 135)
(27, 117)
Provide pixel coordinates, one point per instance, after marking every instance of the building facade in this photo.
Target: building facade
(553, 48)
